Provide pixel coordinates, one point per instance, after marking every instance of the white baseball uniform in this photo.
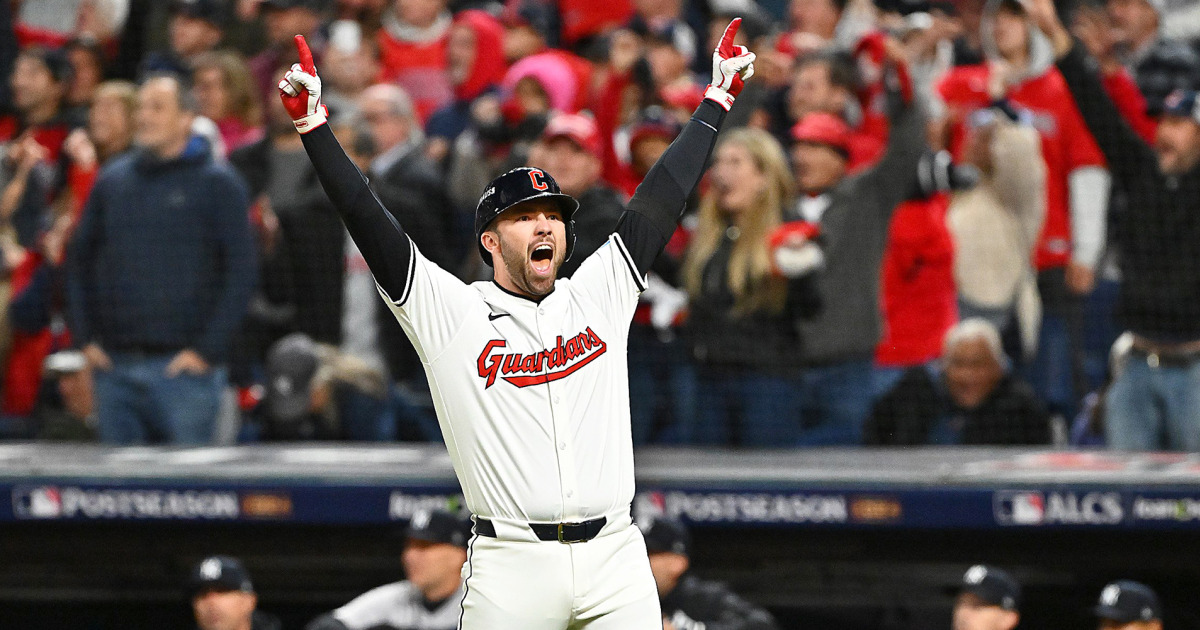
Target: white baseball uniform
(533, 401)
(533, 395)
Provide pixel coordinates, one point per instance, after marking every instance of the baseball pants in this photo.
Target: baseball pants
(602, 584)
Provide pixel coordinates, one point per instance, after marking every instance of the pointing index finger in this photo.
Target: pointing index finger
(726, 45)
(306, 58)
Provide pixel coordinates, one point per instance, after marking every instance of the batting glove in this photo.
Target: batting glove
(732, 65)
(300, 91)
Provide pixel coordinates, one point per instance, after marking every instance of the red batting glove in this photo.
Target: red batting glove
(732, 65)
(300, 91)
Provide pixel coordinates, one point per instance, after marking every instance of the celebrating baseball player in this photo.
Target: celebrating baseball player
(528, 374)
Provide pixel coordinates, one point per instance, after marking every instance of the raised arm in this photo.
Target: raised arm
(653, 213)
(1122, 147)
(383, 243)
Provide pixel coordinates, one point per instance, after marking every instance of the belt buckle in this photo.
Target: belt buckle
(1152, 359)
(560, 534)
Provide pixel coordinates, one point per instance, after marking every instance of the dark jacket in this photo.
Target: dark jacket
(854, 228)
(1159, 236)
(599, 210)
(910, 413)
(162, 258)
(717, 336)
(306, 275)
(694, 601)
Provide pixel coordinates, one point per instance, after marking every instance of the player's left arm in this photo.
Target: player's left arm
(653, 213)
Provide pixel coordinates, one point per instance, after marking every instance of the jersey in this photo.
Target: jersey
(1067, 144)
(549, 377)
(532, 395)
(395, 606)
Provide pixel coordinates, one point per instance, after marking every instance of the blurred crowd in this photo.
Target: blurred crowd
(926, 221)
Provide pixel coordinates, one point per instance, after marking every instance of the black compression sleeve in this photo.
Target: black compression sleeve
(382, 241)
(652, 214)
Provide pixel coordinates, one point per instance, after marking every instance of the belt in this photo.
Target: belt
(1166, 354)
(561, 532)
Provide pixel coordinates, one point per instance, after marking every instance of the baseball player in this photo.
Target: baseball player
(1128, 605)
(989, 599)
(428, 599)
(528, 374)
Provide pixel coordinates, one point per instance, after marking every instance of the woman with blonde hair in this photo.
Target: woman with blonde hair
(225, 94)
(750, 277)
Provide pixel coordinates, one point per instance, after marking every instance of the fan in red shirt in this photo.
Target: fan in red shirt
(40, 81)
(412, 52)
(1077, 184)
(1067, 147)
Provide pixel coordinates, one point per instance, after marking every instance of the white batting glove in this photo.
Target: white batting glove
(300, 91)
(732, 65)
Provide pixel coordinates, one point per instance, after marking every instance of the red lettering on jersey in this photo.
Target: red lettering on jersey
(523, 370)
(539, 180)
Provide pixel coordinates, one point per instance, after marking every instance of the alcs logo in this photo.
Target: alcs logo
(1057, 508)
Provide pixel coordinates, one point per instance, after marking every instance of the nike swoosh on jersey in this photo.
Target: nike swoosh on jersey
(494, 316)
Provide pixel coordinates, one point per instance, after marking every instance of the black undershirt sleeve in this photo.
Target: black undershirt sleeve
(653, 213)
(383, 243)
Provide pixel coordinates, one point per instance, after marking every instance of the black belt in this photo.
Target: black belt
(1167, 359)
(561, 532)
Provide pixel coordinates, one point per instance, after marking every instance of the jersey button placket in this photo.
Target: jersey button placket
(562, 423)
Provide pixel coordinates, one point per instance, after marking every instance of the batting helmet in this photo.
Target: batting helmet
(517, 186)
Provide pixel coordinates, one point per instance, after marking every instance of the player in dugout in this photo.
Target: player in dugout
(429, 597)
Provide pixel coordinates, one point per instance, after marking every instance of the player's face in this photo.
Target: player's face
(972, 613)
(1178, 144)
(1110, 624)
(971, 372)
(434, 568)
(223, 610)
(532, 241)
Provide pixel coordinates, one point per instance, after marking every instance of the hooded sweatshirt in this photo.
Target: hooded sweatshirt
(163, 257)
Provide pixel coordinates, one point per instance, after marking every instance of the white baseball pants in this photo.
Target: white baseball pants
(602, 584)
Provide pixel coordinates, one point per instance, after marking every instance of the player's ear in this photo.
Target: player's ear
(491, 241)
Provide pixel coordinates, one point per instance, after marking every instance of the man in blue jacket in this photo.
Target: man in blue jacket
(160, 271)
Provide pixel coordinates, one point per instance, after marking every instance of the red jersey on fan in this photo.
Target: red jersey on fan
(419, 67)
(1066, 142)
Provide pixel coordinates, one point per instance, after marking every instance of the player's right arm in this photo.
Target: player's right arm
(384, 245)
(653, 213)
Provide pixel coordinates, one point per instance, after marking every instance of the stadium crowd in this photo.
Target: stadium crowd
(927, 221)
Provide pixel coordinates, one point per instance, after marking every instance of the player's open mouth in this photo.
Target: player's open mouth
(541, 258)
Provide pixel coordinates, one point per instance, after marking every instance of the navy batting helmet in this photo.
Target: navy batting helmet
(517, 186)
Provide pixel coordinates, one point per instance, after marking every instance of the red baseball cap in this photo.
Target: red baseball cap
(825, 129)
(578, 128)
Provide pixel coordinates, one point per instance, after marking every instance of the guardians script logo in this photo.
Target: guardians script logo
(523, 370)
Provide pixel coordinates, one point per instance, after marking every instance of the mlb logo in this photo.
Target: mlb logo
(1019, 508)
(648, 506)
(41, 502)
